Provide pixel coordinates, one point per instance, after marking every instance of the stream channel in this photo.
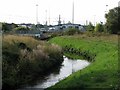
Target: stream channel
(68, 67)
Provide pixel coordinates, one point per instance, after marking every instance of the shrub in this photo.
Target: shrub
(21, 28)
(72, 31)
(99, 28)
(90, 27)
(25, 58)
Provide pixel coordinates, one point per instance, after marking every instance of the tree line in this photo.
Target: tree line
(112, 24)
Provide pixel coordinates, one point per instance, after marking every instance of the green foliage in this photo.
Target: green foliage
(33, 27)
(113, 20)
(90, 27)
(40, 26)
(83, 54)
(103, 72)
(8, 27)
(99, 27)
(72, 31)
(20, 28)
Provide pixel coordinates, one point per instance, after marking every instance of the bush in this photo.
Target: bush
(6, 27)
(90, 27)
(99, 28)
(25, 58)
(72, 31)
(21, 28)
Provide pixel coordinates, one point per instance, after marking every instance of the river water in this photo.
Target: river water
(68, 67)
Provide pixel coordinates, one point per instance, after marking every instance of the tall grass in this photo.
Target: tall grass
(103, 73)
(25, 59)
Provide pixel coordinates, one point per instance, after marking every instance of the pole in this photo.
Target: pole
(46, 17)
(36, 13)
(106, 8)
(94, 20)
(49, 16)
(73, 13)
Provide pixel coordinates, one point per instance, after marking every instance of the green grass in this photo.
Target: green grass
(73, 56)
(103, 73)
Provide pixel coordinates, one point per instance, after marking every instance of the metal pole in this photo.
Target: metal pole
(106, 8)
(73, 13)
(36, 13)
(46, 17)
(49, 16)
(94, 20)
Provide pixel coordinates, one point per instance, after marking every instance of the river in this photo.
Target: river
(68, 67)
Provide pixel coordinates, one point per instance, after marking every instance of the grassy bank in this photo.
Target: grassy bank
(25, 59)
(103, 72)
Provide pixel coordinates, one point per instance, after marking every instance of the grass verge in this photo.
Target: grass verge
(103, 73)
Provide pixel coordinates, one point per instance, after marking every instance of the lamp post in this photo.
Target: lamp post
(36, 13)
(94, 20)
(106, 8)
(73, 13)
(105, 19)
(46, 17)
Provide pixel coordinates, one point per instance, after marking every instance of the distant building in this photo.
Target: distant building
(29, 25)
(62, 27)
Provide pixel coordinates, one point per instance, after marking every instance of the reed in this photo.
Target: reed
(25, 59)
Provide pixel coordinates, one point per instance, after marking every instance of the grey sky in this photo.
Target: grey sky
(24, 11)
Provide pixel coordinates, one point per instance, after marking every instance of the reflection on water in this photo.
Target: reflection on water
(68, 67)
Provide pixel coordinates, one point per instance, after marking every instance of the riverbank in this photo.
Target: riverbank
(103, 72)
(69, 66)
(24, 59)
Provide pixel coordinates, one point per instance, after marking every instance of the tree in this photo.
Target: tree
(40, 26)
(20, 28)
(113, 21)
(72, 31)
(6, 27)
(90, 27)
(99, 27)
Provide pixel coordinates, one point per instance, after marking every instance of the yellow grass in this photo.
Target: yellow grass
(104, 38)
(31, 42)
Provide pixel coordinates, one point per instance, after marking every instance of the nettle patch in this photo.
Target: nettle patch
(85, 54)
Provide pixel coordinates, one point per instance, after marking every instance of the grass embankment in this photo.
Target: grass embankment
(103, 72)
(25, 59)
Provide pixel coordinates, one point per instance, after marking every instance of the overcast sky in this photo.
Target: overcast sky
(24, 11)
